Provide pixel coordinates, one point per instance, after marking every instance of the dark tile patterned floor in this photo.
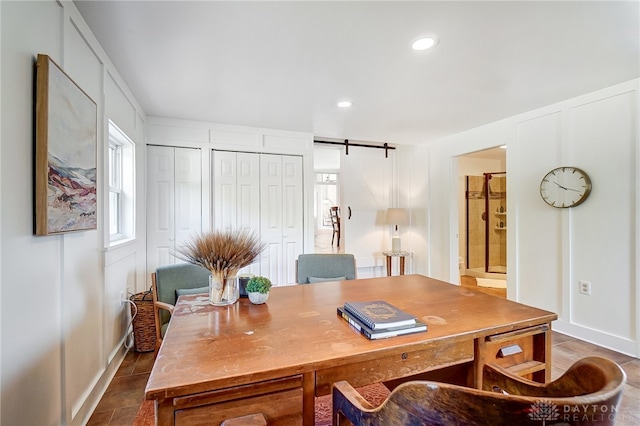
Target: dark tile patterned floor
(119, 405)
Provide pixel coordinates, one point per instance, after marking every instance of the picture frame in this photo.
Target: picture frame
(66, 129)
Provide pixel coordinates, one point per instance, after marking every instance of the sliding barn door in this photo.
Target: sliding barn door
(367, 179)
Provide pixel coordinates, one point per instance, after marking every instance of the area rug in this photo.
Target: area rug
(375, 394)
(492, 283)
(146, 415)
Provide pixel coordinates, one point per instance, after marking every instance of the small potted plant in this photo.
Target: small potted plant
(258, 289)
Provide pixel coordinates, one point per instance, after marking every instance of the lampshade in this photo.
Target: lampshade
(397, 217)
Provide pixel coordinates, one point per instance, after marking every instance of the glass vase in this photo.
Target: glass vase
(223, 292)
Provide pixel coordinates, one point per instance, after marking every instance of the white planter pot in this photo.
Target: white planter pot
(258, 298)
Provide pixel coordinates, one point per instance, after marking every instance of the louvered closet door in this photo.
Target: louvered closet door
(174, 201)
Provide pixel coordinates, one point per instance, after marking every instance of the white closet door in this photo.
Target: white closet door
(174, 206)
(248, 193)
(367, 184)
(236, 183)
(225, 190)
(292, 236)
(160, 202)
(188, 194)
(281, 181)
(271, 217)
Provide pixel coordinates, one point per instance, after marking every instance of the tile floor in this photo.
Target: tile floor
(120, 403)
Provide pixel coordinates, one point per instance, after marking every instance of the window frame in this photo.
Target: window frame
(121, 186)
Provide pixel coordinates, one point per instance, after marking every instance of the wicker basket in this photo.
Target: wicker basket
(144, 326)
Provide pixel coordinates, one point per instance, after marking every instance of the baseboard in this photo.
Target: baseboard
(95, 395)
(615, 343)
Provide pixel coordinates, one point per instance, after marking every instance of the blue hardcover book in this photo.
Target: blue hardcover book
(382, 333)
(379, 314)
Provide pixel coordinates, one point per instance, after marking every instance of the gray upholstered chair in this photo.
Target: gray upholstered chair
(314, 268)
(168, 282)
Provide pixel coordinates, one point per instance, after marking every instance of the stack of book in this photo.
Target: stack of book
(378, 319)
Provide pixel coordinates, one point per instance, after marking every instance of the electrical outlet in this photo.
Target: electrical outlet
(121, 297)
(585, 287)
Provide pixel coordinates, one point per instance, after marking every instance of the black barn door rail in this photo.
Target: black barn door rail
(347, 144)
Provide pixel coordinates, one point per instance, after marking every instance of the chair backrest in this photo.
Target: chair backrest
(335, 217)
(588, 393)
(313, 268)
(170, 278)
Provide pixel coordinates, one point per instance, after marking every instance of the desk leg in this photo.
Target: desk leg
(309, 398)
(164, 412)
(401, 265)
(479, 350)
(388, 266)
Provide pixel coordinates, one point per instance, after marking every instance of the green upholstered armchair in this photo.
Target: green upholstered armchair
(170, 281)
(314, 268)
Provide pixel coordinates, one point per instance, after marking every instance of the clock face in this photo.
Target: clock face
(565, 187)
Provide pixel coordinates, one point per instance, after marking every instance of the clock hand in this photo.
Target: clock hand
(559, 185)
(566, 189)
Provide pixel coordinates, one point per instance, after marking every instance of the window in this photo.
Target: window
(115, 189)
(121, 186)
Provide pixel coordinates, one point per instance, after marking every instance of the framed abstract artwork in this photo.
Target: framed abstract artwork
(66, 153)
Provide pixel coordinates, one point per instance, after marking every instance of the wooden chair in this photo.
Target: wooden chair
(318, 267)
(588, 393)
(335, 224)
(169, 282)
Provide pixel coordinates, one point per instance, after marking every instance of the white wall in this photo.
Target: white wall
(62, 319)
(550, 250)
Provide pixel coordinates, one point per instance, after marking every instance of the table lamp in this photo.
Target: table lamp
(396, 217)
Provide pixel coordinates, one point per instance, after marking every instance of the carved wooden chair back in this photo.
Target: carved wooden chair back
(588, 393)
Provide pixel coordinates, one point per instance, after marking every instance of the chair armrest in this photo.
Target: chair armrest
(348, 405)
(350, 393)
(166, 306)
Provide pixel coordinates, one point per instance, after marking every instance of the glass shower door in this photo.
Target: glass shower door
(486, 198)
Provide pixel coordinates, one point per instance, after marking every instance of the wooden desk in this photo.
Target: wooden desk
(222, 362)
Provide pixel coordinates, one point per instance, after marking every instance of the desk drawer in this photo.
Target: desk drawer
(522, 352)
(396, 366)
(280, 401)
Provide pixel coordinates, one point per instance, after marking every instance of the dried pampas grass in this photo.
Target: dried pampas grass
(223, 252)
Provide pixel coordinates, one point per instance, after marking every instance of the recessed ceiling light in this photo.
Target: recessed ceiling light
(344, 104)
(424, 43)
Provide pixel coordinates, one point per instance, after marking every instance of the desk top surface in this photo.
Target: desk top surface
(298, 330)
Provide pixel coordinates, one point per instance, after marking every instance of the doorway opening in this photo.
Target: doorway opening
(482, 226)
(326, 196)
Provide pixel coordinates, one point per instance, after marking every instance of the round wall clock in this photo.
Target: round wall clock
(565, 187)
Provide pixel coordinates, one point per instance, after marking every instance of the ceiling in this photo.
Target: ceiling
(285, 65)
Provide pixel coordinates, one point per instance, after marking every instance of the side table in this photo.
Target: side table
(401, 254)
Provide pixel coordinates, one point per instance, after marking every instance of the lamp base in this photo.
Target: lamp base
(395, 244)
